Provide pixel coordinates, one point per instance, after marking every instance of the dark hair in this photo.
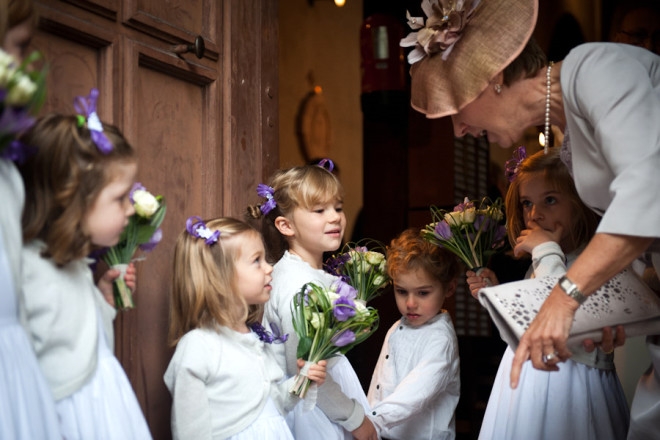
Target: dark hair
(409, 251)
(527, 64)
(63, 180)
(556, 174)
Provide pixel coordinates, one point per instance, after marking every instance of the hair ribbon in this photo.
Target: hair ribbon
(198, 229)
(268, 193)
(86, 108)
(512, 166)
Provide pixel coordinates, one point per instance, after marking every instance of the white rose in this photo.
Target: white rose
(469, 215)
(379, 280)
(21, 92)
(361, 310)
(374, 258)
(454, 218)
(145, 203)
(317, 320)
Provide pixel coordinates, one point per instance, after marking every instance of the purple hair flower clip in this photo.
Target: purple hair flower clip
(512, 166)
(330, 164)
(86, 108)
(198, 229)
(268, 193)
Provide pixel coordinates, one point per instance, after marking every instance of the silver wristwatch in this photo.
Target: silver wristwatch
(571, 289)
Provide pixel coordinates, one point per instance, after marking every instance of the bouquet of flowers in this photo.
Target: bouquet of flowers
(22, 93)
(471, 232)
(360, 267)
(143, 232)
(328, 321)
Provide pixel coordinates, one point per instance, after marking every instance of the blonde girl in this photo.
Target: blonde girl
(547, 219)
(303, 217)
(77, 200)
(224, 381)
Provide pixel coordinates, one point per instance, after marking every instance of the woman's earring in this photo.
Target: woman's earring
(498, 88)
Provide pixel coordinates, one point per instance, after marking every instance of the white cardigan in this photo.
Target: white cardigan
(61, 306)
(220, 381)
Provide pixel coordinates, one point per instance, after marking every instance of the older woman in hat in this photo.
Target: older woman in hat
(476, 62)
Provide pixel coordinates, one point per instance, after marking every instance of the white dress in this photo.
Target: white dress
(341, 398)
(27, 410)
(105, 408)
(577, 402)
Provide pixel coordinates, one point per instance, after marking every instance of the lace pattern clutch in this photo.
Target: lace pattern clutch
(624, 300)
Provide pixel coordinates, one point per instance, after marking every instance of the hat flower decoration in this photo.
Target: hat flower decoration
(441, 30)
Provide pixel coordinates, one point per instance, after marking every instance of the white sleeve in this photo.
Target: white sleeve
(431, 376)
(548, 259)
(186, 378)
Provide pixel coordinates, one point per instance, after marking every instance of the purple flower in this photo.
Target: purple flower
(153, 241)
(343, 309)
(443, 230)
(344, 289)
(500, 233)
(136, 186)
(269, 194)
(343, 338)
(335, 265)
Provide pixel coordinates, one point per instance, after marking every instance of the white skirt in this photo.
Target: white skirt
(314, 424)
(576, 402)
(105, 408)
(270, 425)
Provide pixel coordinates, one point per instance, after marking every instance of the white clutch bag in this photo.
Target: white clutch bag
(624, 300)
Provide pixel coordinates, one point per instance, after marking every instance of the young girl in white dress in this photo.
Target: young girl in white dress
(303, 217)
(77, 199)
(224, 380)
(584, 399)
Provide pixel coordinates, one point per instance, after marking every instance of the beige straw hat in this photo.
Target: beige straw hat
(491, 37)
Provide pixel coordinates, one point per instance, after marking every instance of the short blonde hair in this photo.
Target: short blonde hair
(557, 175)
(296, 187)
(204, 293)
(409, 251)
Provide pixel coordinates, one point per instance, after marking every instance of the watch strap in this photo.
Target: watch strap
(571, 289)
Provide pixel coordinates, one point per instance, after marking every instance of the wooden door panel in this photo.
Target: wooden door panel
(168, 108)
(177, 21)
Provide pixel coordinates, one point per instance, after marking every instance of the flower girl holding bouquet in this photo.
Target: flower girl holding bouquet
(416, 383)
(303, 218)
(77, 186)
(583, 398)
(225, 382)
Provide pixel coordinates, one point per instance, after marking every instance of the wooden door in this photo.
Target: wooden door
(205, 129)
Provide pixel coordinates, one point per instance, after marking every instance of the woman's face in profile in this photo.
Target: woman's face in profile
(17, 40)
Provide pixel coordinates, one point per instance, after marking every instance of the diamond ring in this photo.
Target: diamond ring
(548, 357)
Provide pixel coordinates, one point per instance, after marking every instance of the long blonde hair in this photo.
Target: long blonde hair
(557, 176)
(296, 187)
(204, 293)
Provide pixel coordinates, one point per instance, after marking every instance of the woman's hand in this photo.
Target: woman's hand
(544, 342)
(366, 431)
(610, 340)
(316, 372)
(534, 236)
(477, 282)
(105, 282)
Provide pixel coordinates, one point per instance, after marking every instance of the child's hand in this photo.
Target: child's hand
(105, 282)
(609, 340)
(534, 236)
(477, 282)
(366, 431)
(316, 372)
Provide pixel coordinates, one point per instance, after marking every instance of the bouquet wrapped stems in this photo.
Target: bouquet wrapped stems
(328, 321)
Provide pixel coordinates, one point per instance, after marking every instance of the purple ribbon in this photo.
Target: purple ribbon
(268, 193)
(512, 166)
(331, 165)
(198, 229)
(86, 106)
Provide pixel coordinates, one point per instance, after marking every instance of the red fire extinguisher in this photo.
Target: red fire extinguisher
(383, 60)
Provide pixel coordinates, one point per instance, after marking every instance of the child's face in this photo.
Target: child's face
(252, 276)
(545, 206)
(109, 214)
(419, 297)
(318, 229)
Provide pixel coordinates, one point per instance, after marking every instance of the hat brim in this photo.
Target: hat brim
(495, 35)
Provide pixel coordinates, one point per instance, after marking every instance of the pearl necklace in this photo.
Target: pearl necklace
(546, 140)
